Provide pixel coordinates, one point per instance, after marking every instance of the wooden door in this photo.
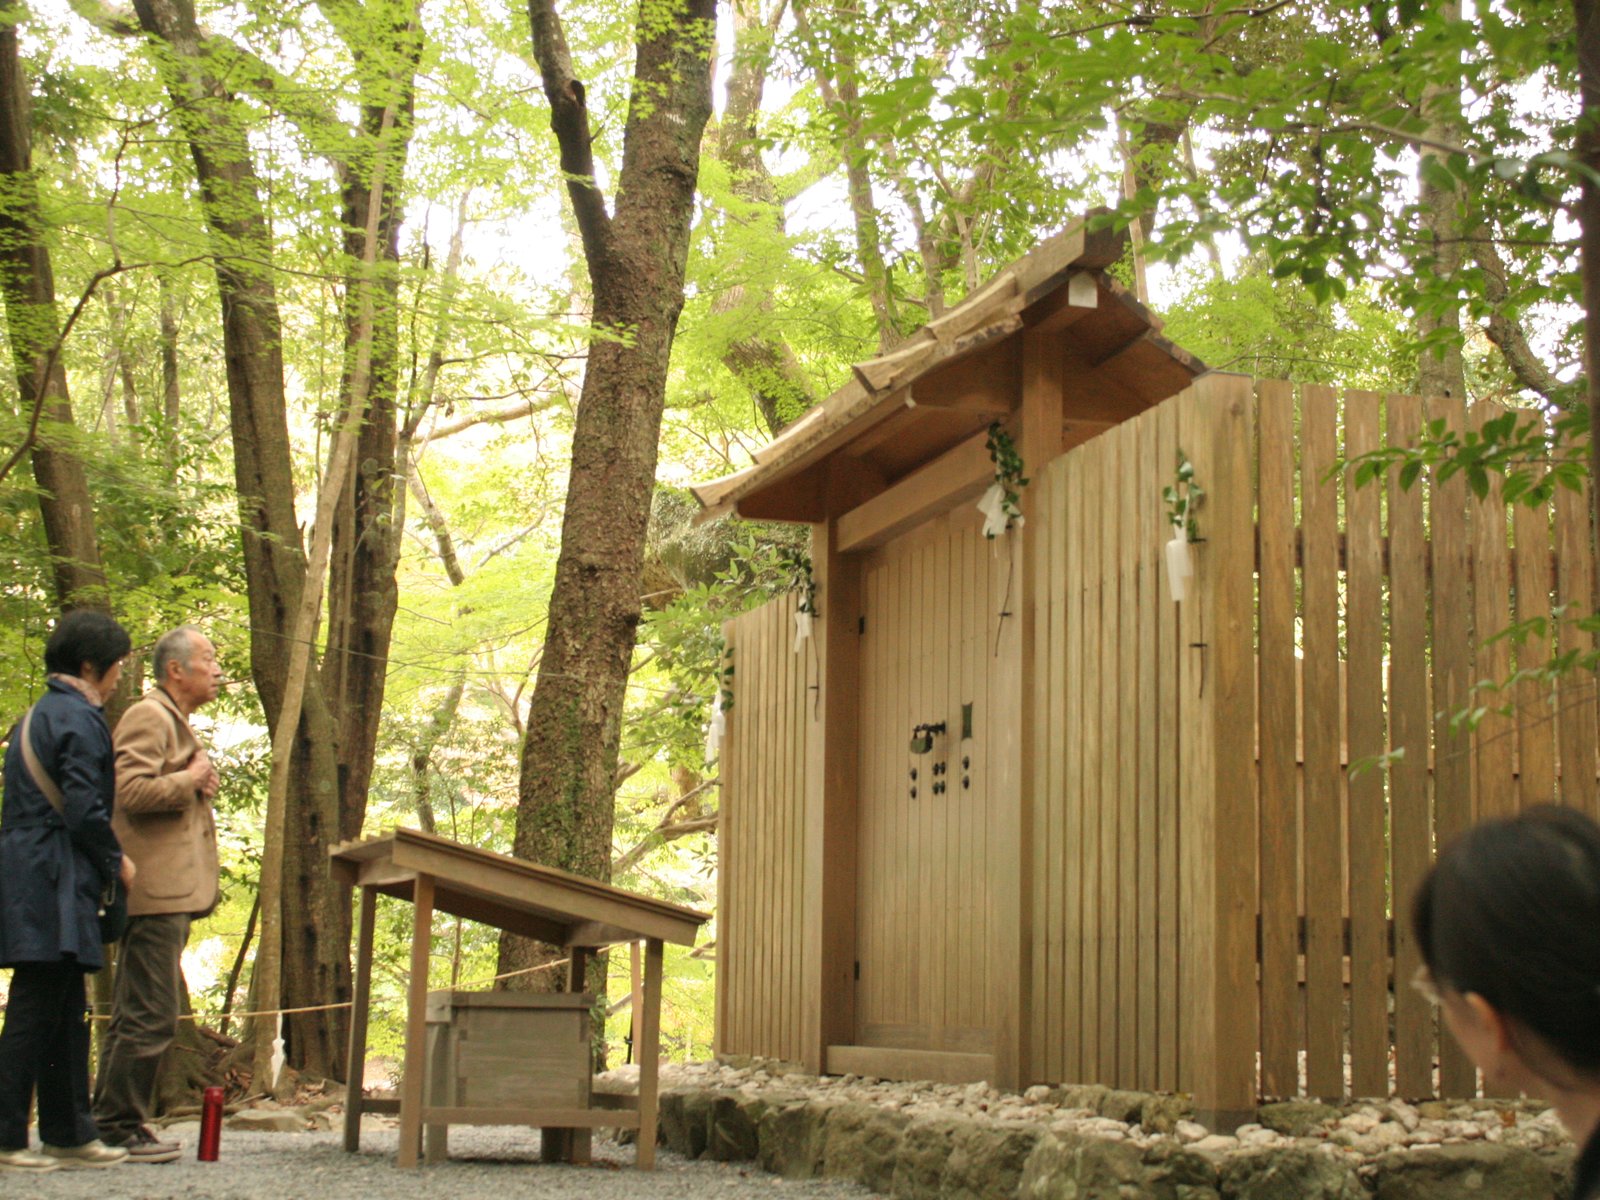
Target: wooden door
(931, 601)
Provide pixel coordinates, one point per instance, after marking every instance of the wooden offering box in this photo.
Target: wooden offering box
(509, 1050)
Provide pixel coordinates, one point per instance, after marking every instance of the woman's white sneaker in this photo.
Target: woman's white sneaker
(26, 1160)
(90, 1154)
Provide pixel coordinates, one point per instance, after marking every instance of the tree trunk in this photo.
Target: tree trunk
(362, 593)
(1587, 13)
(215, 126)
(636, 260)
(1440, 371)
(763, 362)
(28, 285)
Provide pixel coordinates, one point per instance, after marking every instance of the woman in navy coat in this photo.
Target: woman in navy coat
(54, 867)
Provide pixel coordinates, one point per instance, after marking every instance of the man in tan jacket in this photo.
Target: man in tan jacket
(164, 820)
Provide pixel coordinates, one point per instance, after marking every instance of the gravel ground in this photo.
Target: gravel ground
(486, 1163)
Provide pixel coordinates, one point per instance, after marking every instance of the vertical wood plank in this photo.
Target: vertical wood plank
(1046, 828)
(1110, 752)
(1409, 722)
(1151, 523)
(1452, 684)
(785, 901)
(770, 667)
(1169, 784)
(1073, 754)
(1324, 881)
(1536, 728)
(1491, 608)
(1230, 630)
(1128, 760)
(1576, 692)
(1196, 895)
(1368, 854)
(1094, 750)
(1282, 1011)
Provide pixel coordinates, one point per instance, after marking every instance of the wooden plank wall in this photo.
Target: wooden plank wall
(761, 837)
(1108, 798)
(931, 601)
(1376, 610)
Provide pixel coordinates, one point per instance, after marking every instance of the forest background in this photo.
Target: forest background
(311, 300)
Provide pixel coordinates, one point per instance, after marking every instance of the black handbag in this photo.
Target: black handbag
(113, 909)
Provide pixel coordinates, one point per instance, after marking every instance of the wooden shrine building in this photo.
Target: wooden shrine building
(1013, 813)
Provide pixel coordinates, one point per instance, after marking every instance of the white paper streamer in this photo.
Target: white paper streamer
(802, 630)
(715, 730)
(277, 1054)
(993, 508)
(1179, 566)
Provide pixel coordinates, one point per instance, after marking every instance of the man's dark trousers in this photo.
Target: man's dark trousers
(144, 1008)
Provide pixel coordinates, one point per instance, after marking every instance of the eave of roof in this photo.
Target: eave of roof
(880, 387)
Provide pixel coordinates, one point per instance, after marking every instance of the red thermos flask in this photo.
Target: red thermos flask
(210, 1124)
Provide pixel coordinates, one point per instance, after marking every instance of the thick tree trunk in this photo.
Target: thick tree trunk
(636, 261)
(362, 592)
(1587, 13)
(30, 303)
(317, 962)
(1440, 370)
(763, 362)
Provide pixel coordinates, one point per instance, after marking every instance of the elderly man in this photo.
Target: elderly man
(163, 816)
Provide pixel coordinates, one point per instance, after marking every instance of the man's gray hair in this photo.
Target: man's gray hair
(175, 646)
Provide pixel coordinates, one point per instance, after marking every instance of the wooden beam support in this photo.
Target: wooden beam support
(828, 891)
(956, 476)
(1014, 686)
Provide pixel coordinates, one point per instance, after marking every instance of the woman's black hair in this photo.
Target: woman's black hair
(1511, 911)
(85, 636)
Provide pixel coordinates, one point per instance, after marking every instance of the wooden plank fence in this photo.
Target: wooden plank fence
(761, 837)
(1219, 899)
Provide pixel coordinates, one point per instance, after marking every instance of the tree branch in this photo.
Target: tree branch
(1506, 333)
(569, 118)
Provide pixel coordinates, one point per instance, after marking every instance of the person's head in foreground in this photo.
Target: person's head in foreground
(1508, 922)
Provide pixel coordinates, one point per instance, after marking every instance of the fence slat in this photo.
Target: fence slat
(1409, 721)
(1369, 860)
(1324, 881)
(1056, 747)
(1127, 928)
(1110, 614)
(1536, 741)
(1577, 687)
(1073, 753)
(1452, 684)
(1281, 1009)
(1148, 542)
(1169, 780)
(1491, 606)
(1093, 752)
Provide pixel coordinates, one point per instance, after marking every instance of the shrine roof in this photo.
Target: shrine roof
(962, 371)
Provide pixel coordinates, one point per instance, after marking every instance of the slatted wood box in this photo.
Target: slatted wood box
(505, 1050)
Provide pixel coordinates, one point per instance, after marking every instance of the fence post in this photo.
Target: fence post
(1219, 831)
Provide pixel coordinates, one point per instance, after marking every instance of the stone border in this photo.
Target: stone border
(918, 1141)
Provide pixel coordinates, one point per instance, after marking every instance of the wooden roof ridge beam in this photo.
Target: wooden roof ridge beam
(956, 476)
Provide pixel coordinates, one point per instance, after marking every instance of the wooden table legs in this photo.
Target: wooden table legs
(647, 1049)
(411, 1090)
(361, 1002)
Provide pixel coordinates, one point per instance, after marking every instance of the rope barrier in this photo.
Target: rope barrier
(274, 1012)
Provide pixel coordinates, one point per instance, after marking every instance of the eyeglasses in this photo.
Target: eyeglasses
(1424, 984)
